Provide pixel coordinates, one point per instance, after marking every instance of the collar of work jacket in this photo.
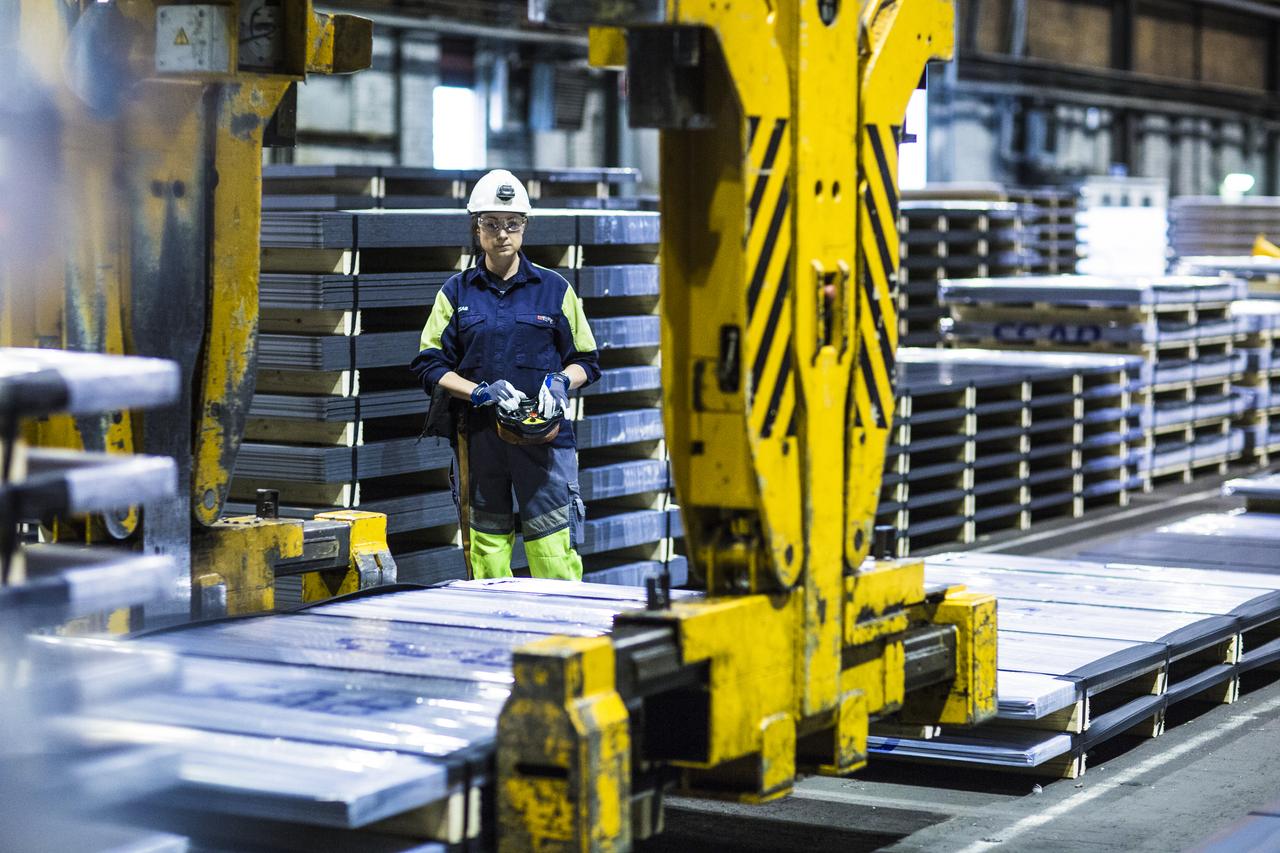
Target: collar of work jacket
(480, 276)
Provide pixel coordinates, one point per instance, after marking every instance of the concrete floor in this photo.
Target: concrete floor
(1213, 765)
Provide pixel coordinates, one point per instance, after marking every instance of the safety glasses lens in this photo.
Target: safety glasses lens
(511, 226)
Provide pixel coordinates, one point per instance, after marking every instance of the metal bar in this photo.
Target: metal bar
(648, 661)
(428, 22)
(64, 481)
(1017, 28)
(930, 656)
(971, 24)
(1123, 15)
(43, 381)
(996, 88)
(325, 545)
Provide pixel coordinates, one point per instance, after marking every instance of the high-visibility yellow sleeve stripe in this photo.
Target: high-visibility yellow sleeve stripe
(571, 307)
(441, 314)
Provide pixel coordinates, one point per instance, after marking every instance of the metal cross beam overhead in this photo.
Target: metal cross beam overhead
(780, 124)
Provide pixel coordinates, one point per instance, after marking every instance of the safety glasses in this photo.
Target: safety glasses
(512, 226)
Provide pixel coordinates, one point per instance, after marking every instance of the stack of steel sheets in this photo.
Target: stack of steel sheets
(340, 717)
(948, 239)
(336, 417)
(288, 187)
(950, 230)
(1259, 341)
(45, 587)
(1182, 327)
(1261, 492)
(1262, 274)
(48, 584)
(988, 440)
(632, 520)
(1091, 651)
(1049, 219)
(1209, 225)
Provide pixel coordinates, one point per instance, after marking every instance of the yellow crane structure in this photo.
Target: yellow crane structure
(780, 126)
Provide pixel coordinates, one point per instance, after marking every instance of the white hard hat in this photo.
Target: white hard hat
(497, 192)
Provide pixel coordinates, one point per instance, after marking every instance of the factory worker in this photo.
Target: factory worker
(510, 339)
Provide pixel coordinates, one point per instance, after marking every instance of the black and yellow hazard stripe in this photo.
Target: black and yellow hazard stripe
(878, 270)
(769, 271)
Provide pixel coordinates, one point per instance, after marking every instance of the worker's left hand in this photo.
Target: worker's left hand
(553, 396)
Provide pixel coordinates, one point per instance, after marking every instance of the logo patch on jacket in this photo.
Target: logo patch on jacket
(543, 318)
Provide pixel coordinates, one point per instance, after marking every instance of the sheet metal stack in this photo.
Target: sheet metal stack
(42, 584)
(950, 238)
(1181, 326)
(1259, 326)
(1261, 492)
(1049, 220)
(988, 440)
(364, 724)
(1209, 225)
(337, 415)
(964, 230)
(288, 187)
(1262, 274)
(1092, 651)
(68, 795)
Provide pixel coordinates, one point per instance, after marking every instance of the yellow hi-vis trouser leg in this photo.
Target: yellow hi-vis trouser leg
(553, 557)
(550, 557)
(491, 554)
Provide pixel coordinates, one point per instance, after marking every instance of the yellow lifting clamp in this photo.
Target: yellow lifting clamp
(242, 559)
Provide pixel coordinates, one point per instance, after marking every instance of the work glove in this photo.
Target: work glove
(553, 396)
(502, 393)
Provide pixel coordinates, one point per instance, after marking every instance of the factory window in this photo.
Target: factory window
(457, 131)
(913, 158)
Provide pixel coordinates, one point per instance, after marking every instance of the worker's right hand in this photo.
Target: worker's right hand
(502, 392)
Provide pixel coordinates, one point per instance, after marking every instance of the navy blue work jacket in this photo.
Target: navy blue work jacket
(534, 327)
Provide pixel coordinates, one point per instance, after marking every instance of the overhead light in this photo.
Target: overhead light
(1237, 184)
